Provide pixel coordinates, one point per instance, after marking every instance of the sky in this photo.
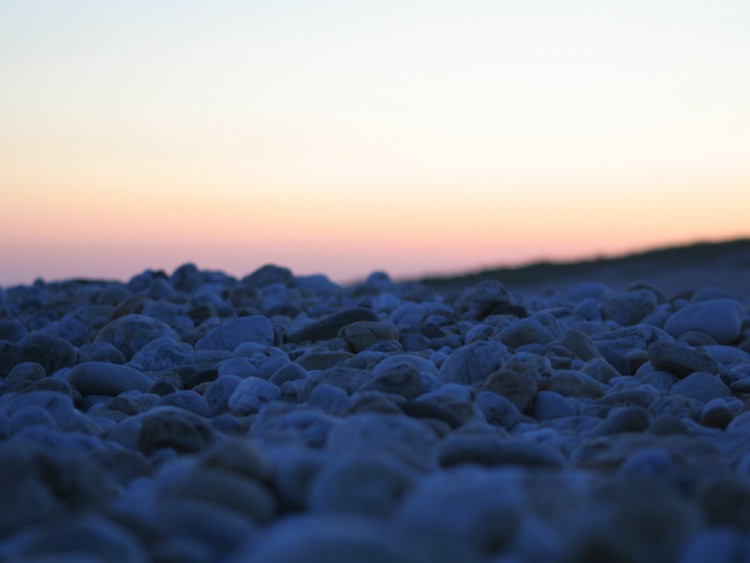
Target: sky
(344, 136)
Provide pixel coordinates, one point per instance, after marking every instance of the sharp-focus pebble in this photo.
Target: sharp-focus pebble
(198, 417)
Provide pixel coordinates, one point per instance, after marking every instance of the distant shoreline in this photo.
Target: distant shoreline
(674, 269)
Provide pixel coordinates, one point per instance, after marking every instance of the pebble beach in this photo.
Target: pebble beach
(197, 417)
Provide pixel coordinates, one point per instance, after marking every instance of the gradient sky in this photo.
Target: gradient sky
(343, 136)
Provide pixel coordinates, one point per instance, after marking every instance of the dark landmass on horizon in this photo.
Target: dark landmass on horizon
(674, 269)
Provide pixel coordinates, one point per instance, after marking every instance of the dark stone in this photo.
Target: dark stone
(680, 360)
(329, 326)
(52, 352)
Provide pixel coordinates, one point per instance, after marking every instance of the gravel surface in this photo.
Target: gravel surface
(275, 418)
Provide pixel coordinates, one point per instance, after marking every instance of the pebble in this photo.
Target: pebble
(473, 363)
(48, 350)
(361, 335)
(366, 485)
(100, 378)
(680, 360)
(230, 335)
(328, 327)
(130, 333)
(701, 386)
(197, 417)
(251, 394)
(721, 319)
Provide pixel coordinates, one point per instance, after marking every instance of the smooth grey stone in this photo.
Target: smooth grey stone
(326, 397)
(88, 535)
(219, 529)
(163, 354)
(518, 378)
(100, 378)
(680, 360)
(231, 334)
(301, 426)
(571, 383)
(361, 485)
(549, 405)
(50, 351)
(490, 451)
(186, 400)
(251, 394)
(132, 332)
(28, 417)
(12, 330)
(641, 396)
(718, 544)
(701, 386)
(473, 363)
(24, 372)
(539, 328)
(623, 419)
(464, 512)
(361, 335)
(100, 352)
(71, 329)
(385, 434)
(631, 520)
(228, 489)
(328, 327)
(716, 414)
(497, 409)
(59, 406)
(164, 427)
(483, 300)
(318, 360)
(628, 308)
(721, 319)
(318, 538)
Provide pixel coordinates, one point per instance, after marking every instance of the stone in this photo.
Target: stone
(231, 334)
(132, 332)
(716, 414)
(361, 335)
(718, 545)
(251, 394)
(100, 378)
(25, 372)
(163, 354)
(50, 351)
(100, 352)
(304, 427)
(680, 360)
(314, 538)
(453, 511)
(385, 434)
(489, 451)
(57, 405)
(518, 379)
(581, 344)
(164, 427)
(361, 485)
(549, 405)
(228, 489)
(497, 409)
(570, 383)
(328, 327)
(218, 531)
(539, 328)
(628, 308)
(720, 319)
(701, 386)
(485, 299)
(473, 363)
(623, 419)
(187, 400)
(84, 538)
